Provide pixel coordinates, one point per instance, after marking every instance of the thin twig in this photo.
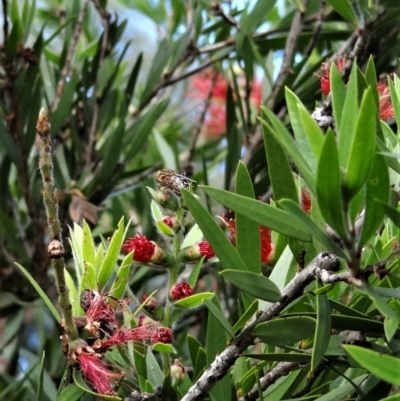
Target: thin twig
(192, 149)
(66, 71)
(317, 30)
(325, 261)
(219, 12)
(289, 51)
(280, 370)
(105, 18)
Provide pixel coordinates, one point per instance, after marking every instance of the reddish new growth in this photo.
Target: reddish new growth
(386, 110)
(325, 75)
(267, 247)
(144, 249)
(205, 250)
(96, 373)
(305, 201)
(210, 81)
(180, 291)
(162, 335)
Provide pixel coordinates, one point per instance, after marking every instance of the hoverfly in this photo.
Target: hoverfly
(170, 179)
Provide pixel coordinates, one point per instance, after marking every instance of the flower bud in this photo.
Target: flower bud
(172, 222)
(162, 335)
(180, 291)
(167, 199)
(146, 251)
(196, 252)
(178, 373)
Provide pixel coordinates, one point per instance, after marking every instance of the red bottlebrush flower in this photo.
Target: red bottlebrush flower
(144, 249)
(180, 291)
(122, 336)
(386, 110)
(267, 247)
(208, 81)
(305, 201)
(325, 75)
(205, 250)
(96, 373)
(162, 335)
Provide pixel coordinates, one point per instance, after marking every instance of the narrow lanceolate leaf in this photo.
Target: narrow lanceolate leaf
(71, 393)
(111, 257)
(219, 242)
(322, 332)
(392, 213)
(329, 192)
(262, 213)
(88, 245)
(41, 293)
(213, 308)
(247, 231)
(280, 173)
(254, 284)
(193, 300)
(118, 287)
(286, 331)
(286, 140)
(362, 148)
(40, 381)
(305, 220)
(344, 8)
(311, 129)
(338, 93)
(385, 367)
(377, 190)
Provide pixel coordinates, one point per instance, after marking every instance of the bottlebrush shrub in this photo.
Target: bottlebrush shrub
(327, 311)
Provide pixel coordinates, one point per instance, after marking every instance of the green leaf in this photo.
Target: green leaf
(163, 348)
(392, 213)
(302, 142)
(348, 122)
(157, 66)
(323, 330)
(377, 190)
(253, 284)
(118, 287)
(71, 393)
(193, 300)
(329, 186)
(164, 229)
(88, 278)
(41, 293)
(195, 273)
(257, 15)
(40, 381)
(280, 173)
(285, 139)
(99, 257)
(130, 87)
(338, 93)
(246, 316)
(247, 231)
(107, 267)
(78, 380)
(343, 7)
(215, 236)
(385, 367)
(362, 147)
(264, 214)
(285, 331)
(305, 220)
(213, 308)
(156, 212)
(233, 138)
(313, 133)
(88, 245)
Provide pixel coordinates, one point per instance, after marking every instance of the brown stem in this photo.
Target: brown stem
(55, 248)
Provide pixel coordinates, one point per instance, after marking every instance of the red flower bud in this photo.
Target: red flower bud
(144, 249)
(162, 335)
(196, 252)
(205, 250)
(180, 291)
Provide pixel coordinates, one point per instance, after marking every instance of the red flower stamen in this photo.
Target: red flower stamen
(386, 110)
(180, 291)
(144, 249)
(122, 336)
(325, 75)
(205, 250)
(305, 201)
(96, 373)
(162, 335)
